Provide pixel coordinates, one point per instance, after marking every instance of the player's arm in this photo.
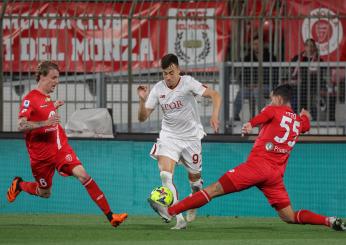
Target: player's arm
(265, 116)
(143, 112)
(306, 118)
(216, 100)
(25, 125)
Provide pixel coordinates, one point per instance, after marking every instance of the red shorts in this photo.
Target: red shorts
(43, 171)
(261, 175)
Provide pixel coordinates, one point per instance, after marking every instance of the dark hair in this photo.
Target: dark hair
(285, 91)
(44, 67)
(168, 60)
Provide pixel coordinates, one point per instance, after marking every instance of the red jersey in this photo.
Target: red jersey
(280, 128)
(42, 143)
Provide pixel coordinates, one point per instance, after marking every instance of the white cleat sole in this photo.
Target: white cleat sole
(179, 226)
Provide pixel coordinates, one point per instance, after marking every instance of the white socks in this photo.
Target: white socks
(167, 181)
(196, 186)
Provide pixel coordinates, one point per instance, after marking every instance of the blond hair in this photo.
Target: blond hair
(44, 67)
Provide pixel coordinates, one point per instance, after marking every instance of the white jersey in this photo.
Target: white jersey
(180, 114)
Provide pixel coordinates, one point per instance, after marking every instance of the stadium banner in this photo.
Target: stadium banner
(329, 31)
(93, 37)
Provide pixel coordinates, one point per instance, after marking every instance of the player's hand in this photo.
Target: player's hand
(215, 123)
(58, 103)
(143, 92)
(53, 120)
(304, 112)
(246, 128)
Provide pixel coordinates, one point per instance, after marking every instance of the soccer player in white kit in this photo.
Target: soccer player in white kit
(182, 131)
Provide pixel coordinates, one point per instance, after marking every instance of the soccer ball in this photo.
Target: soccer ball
(162, 195)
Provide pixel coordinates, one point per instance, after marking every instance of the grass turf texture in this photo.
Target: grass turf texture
(92, 229)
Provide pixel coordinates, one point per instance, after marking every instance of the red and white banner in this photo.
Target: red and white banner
(93, 37)
(325, 28)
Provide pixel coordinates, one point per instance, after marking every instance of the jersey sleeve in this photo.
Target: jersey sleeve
(305, 124)
(152, 100)
(266, 115)
(196, 87)
(26, 108)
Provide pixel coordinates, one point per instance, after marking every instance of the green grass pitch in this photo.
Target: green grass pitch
(93, 229)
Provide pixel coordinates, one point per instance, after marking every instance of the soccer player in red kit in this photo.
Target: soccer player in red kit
(47, 145)
(265, 166)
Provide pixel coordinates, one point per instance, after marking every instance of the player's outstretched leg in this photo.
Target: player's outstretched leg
(193, 201)
(307, 217)
(96, 194)
(18, 185)
(100, 199)
(14, 190)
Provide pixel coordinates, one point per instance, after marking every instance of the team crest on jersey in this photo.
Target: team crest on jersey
(26, 103)
(68, 158)
(269, 146)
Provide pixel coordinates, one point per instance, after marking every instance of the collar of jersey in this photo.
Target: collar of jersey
(175, 85)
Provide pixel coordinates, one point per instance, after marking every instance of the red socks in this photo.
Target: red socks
(308, 217)
(97, 195)
(196, 200)
(29, 187)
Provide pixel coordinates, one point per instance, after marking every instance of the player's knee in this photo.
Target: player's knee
(214, 190)
(83, 178)
(166, 176)
(287, 219)
(80, 173)
(44, 193)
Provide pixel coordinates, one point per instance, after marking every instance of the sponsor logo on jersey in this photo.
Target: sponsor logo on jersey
(281, 150)
(269, 146)
(26, 103)
(162, 96)
(68, 158)
(173, 105)
(42, 106)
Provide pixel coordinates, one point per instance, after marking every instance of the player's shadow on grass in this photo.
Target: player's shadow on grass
(235, 228)
(56, 226)
(149, 227)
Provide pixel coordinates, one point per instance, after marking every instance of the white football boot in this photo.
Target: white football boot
(181, 224)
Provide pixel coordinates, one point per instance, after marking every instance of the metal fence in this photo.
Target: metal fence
(317, 87)
(241, 48)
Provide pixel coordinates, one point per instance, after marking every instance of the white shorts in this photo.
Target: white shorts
(188, 153)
